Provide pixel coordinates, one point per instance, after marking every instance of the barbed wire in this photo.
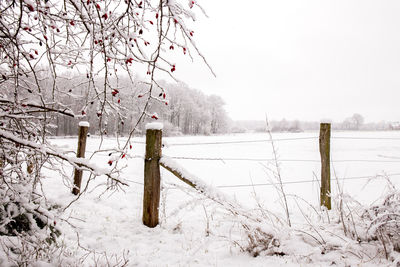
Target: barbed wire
(364, 138)
(283, 160)
(281, 139)
(299, 182)
(312, 181)
(242, 141)
(261, 159)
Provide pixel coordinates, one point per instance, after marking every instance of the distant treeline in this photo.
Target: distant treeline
(355, 122)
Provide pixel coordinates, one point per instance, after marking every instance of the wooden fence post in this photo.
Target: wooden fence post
(151, 196)
(324, 149)
(83, 131)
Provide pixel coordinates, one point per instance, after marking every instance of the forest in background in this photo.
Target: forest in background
(182, 110)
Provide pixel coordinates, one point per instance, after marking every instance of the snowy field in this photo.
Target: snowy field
(192, 231)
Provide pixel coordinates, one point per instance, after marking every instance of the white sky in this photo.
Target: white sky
(306, 60)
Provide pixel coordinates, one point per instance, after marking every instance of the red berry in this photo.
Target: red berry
(130, 146)
(110, 162)
(105, 16)
(123, 156)
(97, 6)
(114, 92)
(164, 95)
(83, 112)
(171, 47)
(154, 117)
(72, 23)
(119, 101)
(30, 7)
(156, 15)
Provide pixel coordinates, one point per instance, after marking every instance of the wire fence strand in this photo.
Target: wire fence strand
(311, 181)
(282, 139)
(242, 141)
(380, 176)
(283, 160)
(364, 138)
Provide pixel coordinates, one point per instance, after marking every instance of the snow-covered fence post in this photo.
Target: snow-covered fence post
(324, 149)
(151, 195)
(83, 131)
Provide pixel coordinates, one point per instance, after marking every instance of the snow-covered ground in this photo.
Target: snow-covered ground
(194, 231)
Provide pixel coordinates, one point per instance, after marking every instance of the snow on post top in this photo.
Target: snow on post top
(325, 121)
(154, 126)
(84, 124)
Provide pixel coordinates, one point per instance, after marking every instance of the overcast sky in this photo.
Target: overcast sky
(307, 60)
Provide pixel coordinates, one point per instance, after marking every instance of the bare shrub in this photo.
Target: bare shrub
(384, 222)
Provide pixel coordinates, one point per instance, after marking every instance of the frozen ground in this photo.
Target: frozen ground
(194, 231)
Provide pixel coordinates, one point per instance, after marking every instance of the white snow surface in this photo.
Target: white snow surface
(195, 230)
(154, 126)
(84, 124)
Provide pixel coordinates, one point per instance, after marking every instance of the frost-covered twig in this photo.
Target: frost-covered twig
(277, 173)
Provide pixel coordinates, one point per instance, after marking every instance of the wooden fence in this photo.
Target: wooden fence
(152, 163)
(152, 177)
